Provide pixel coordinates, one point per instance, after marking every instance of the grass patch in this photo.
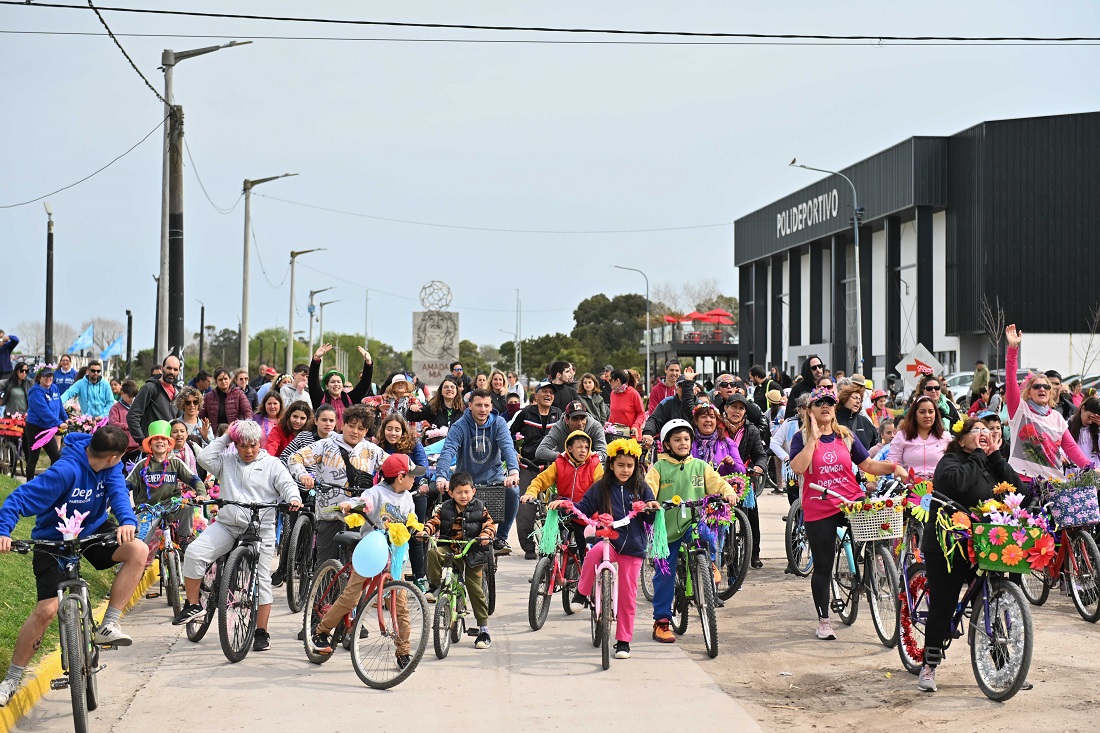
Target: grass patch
(19, 596)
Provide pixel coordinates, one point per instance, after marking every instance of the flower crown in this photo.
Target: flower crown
(819, 393)
(623, 445)
(925, 369)
(958, 426)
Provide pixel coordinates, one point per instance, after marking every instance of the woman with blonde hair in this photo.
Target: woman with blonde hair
(850, 414)
(498, 391)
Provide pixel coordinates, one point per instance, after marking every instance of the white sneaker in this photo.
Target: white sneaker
(8, 688)
(927, 680)
(825, 630)
(111, 634)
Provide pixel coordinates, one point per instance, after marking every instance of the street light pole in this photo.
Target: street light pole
(857, 215)
(647, 332)
(321, 321)
(168, 61)
(311, 310)
(246, 267)
(49, 282)
(202, 331)
(290, 330)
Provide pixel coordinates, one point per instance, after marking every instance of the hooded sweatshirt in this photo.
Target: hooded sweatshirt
(263, 480)
(70, 482)
(688, 478)
(64, 379)
(326, 456)
(386, 505)
(478, 450)
(808, 380)
(554, 442)
(44, 406)
(95, 399)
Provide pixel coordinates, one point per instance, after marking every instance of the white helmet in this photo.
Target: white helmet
(675, 425)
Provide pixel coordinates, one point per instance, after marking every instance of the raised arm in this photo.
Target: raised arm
(1012, 357)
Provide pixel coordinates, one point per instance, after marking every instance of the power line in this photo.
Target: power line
(195, 168)
(548, 29)
(90, 175)
(494, 229)
(260, 259)
(552, 42)
(120, 48)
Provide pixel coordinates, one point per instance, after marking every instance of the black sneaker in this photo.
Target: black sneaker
(501, 547)
(403, 660)
(190, 612)
(530, 555)
(321, 643)
(301, 634)
(483, 641)
(278, 578)
(262, 641)
(622, 650)
(757, 563)
(581, 600)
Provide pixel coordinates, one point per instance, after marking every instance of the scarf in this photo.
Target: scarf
(1043, 410)
(707, 445)
(620, 389)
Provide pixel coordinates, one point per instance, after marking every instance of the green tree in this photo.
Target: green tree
(539, 352)
(610, 331)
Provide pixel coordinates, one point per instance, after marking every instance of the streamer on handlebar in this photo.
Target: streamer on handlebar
(657, 540)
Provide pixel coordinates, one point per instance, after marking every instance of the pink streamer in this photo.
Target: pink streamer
(44, 437)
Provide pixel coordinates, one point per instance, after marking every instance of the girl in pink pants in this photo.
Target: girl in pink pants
(615, 493)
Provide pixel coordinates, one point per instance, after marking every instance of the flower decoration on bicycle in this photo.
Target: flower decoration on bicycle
(70, 527)
(920, 500)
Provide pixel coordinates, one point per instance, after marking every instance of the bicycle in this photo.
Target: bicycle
(694, 576)
(164, 544)
(1000, 630)
(879, 578)
(76, 627)
(493, 496)
(326, 585)
(556, 573)
(11, 446)
(450, 603)
(800, 561)
(1074, 569)
(301, 555)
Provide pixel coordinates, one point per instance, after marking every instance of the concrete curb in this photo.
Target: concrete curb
(37, 681)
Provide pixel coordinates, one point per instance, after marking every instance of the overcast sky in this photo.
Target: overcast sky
(512, 136)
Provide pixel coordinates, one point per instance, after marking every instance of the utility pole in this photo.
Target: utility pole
(290, 329)
(321, 325)
(156, 322)
(202, 331)
(49, 282)
(175, 234)
(246, 267)
(311, 310)
(129, 343)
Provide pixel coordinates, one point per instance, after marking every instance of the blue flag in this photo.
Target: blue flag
(83, 341)
(114, 348)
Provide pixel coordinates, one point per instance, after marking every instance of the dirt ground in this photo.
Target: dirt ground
(771, 662)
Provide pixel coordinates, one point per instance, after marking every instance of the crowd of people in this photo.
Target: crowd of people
(407, 448)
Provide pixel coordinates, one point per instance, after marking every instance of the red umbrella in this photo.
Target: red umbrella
(722, 321)
(719, 312)
(671, 319)
(693, 316)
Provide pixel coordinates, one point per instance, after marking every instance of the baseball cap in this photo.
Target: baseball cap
(546, 383)
(608, 368)
(399, 463)
(576, 407)
(270, 372)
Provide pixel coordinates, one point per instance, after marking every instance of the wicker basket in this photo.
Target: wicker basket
(874, 525)
(1076, 507)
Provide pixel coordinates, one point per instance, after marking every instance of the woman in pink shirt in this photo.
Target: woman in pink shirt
(921, 438)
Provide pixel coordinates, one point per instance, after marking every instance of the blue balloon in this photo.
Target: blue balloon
(371, 555)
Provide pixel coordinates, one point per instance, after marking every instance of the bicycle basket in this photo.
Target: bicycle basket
(1004, 548)
(877, 521)
(12, 427)
(493, 496)
(1075, 507)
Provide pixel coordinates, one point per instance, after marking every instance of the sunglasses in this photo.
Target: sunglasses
(191, 402)
(817, 367)
(22, 371)
(95, 371)
(823, 403)
(932, 389)
(1040, 386)
(725, 385)
(457, 369)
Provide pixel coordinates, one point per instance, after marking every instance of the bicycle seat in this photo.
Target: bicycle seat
(348, 538)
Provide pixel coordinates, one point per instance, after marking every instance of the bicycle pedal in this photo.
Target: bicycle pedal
(152, 594)
(61, 683)
(473, 632)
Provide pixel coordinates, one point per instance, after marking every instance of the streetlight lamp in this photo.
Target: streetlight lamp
(311, 310)
(246, 271)
(290, 330)
(168, 61)
(857, 216)
(647, 332)
(49, 282)
(321, 322)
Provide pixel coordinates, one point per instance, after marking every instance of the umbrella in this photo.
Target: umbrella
(671, 319)
(722, 321)
(719, 312)
(693, 316)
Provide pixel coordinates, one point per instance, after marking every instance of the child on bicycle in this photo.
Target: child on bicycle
(85, 478)
(678, 473)
(385, 502)
(462, 517)
(572, 473)
(614, 493)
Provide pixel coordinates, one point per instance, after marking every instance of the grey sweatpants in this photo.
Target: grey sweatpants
(217, 540)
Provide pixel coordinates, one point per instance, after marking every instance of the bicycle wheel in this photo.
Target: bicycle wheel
(680, 600)
(237, 604)
(92, 689)
(9, 458)
(327, 585)
(299, 563)
(208, 598)
(795, 542)
(733, 560)
(489, 585)
(374, 655)
(1083, 586)
(1036, 586)
(646, 581)
(595, 627)
(704, 592)
(844, 586)
(74, 644)
(607, 581)
(1001, 657)
(441, 626)
(882, 595)
(173, 578)
(538, 602)
(912, 615)
(572, 578)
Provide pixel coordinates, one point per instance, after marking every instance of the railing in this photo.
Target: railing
(698, 333)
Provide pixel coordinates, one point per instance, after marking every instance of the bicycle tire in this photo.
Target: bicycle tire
(299, 563)
(173, 578)
(572, 579)
(441, 625)
(1001, 663)
(733, 561)
(680, 601)
(799, 559)
(372, 673)
(237, 606)
(208, 598)
(1083, 588)
(646, 581)
(593, 623)
(1036, 586)
(459, 626)
(489, 585)
(323, 592)
(912, 618)
(844, 586)
(704, 591)
(9, 458)
(538, 601)
(74, 640)
(882, 595)
(607, 582)
(92, 689)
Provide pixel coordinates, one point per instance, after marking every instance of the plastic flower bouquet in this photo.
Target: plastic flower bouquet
(875, 519)
(1008, 538)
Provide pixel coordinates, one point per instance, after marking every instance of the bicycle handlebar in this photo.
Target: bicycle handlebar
(602, 521)
(467, 544)
(77, 543)
(694, 503)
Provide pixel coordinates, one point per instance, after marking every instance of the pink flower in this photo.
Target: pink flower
(998, 536)
(1019, 537)
(1013, 501)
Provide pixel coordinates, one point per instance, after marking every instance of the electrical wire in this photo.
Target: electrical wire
(195, 168)
(260, 259)
(493, 229)
(120, 48)
(548, 29)
(90, 175)
(551, 42)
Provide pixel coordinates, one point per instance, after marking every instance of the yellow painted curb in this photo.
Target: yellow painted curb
(37, 682)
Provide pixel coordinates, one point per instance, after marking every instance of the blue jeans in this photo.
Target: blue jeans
(664, 585)
(511, 508)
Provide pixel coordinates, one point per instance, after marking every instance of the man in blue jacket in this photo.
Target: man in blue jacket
(87, 478)
(478, 443)
(92, 391)
(7, 345)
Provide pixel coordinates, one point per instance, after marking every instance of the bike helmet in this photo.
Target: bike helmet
(674, 425)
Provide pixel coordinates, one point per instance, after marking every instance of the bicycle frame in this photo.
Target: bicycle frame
(606, 564)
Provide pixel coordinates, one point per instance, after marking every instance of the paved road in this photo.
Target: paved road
(535, 679)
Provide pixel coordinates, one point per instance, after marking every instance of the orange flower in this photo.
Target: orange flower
(960, 520)
(1012, 555)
